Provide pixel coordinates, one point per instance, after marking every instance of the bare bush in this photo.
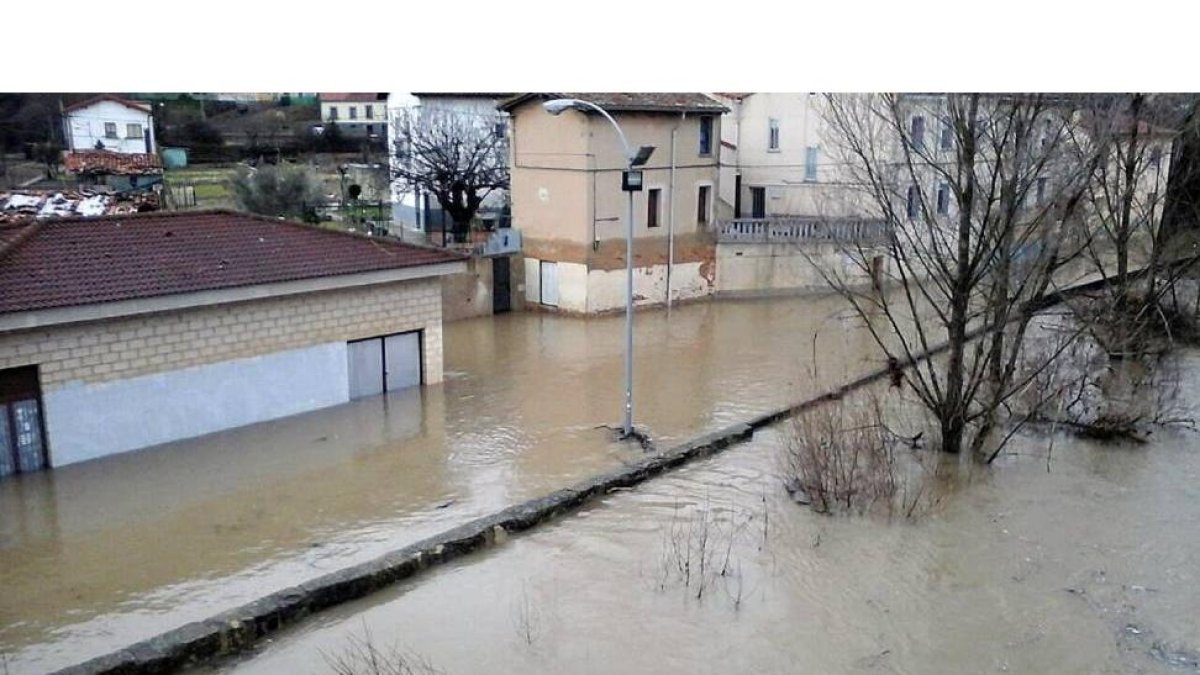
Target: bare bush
(362, 656)
(697, 552)
(842, 458)
(527, 619)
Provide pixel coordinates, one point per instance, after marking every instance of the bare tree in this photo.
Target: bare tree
(1124, 203)
(980, 199)
(458, 157)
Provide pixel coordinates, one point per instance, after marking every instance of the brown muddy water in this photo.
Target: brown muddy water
(99, 555)
(1088, 565)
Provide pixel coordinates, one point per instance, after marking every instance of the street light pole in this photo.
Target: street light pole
(633, 159)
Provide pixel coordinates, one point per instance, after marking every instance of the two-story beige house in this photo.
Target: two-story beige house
(568, 202)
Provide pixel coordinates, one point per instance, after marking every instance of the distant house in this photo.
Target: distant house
(568, 203)
(356, 115)
(110, 123)
(122, 332)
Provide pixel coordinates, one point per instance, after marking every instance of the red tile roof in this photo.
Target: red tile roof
(639, 102)
(136, 105)
(351, 98)
(112, 163)
(68, 262)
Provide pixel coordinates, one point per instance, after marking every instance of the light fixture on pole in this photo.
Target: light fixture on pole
(631, 181)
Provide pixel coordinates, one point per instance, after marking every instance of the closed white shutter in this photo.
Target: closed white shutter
(366, 367)
(403, 354)
(549, 284)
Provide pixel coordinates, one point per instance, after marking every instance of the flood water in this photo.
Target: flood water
(1086, 563)
(98, 555)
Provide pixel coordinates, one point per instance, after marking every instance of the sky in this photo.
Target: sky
(612, 45)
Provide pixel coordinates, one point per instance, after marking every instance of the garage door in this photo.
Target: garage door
(384, 363)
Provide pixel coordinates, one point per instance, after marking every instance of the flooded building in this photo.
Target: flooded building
(122, 332)
(568, 202)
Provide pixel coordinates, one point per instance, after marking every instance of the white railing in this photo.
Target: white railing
(795, 229)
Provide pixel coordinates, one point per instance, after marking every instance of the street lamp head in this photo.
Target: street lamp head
(642, 155)
(558, 105)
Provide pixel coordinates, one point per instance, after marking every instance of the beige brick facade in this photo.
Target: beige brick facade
(99, 351)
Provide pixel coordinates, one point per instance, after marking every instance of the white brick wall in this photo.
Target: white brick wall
(121, 348)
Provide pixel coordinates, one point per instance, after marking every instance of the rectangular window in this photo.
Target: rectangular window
(943, 199)
(947, 141)
(498, 130)
(652, 196)
(810, 164)
(333, 112)
(918, 131)
(1041, 192)
(369, 111)
(370, 129)
(110, 130)
(702, 205)
(773, 134)
(353, 112)
(706, 131)
(912, 202)
(133, 131)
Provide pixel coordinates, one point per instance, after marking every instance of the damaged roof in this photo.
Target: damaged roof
(74, 261)
(649, 102)
(112, 163)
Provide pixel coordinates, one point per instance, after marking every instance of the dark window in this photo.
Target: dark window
(702, 205)
(758, 202)
(773, 134)
(947, 135)
(333, 112)
(498, 130)
(369, 111)
(918, 131)
(943, 199)
(1041, 191)
(110, 130)
(652, 207)
(706, 129)
(370, 129)
(912, 202)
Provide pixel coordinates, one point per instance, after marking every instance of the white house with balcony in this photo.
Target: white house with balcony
(110, 123)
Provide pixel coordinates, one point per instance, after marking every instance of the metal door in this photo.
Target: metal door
(549, 273)
(365, 367)
(501, 285)
(402, 360)
(22, 443)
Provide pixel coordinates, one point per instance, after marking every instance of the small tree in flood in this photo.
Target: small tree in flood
(980, 200)
(460, 158)
(284, 191)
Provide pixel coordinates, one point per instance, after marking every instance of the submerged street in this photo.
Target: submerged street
(102, 554)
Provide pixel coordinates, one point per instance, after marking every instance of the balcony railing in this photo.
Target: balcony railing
(788, 229)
